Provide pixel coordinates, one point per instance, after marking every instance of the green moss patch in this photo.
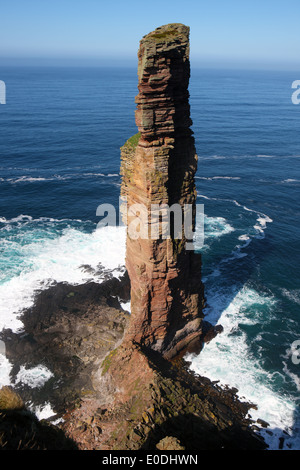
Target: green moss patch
(107, 361)
(133, 141)
(165, 35)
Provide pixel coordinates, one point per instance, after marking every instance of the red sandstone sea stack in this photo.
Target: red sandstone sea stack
(142, 400)
(158, 168)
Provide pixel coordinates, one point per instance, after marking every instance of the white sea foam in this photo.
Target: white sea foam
(126, 306)
(35, 377)
(215, 227)
(33, 179)
(212, 157)
(207, 178)
(109, 175)
(19, 218)
(61, 259)
(290, 180)
(228, 358)
(5, 370)
(29, 179)
(237, 251)
(94, 174)
(44, 412)
(293, 295)
(23, 219)
(295, 378)
(244, 237)
(261, 220)
(57, 177)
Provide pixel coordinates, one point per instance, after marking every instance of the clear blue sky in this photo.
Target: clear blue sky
(238, 33)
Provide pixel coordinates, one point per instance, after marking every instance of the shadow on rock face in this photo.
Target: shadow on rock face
(21, 430)
(195, 434)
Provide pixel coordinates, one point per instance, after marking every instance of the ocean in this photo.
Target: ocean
(61, 130)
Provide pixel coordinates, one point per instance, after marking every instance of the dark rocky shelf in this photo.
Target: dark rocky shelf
(77, 332)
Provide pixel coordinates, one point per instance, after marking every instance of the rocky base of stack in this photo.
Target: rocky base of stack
(158, 405)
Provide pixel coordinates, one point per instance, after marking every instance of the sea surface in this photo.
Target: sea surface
(60, 135)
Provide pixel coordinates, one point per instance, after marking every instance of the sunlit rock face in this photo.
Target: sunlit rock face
(158, 166)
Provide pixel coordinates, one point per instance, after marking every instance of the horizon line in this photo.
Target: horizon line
(129, 64)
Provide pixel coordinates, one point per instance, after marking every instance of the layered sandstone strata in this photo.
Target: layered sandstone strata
(158, 167)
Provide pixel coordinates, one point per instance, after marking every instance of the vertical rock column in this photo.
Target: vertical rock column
(158, 166)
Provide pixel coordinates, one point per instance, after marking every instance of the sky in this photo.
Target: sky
(262, 34)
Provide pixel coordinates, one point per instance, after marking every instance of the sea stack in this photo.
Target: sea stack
(143, 395)
(158, 166)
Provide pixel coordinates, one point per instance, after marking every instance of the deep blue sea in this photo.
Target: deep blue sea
(60, 137)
